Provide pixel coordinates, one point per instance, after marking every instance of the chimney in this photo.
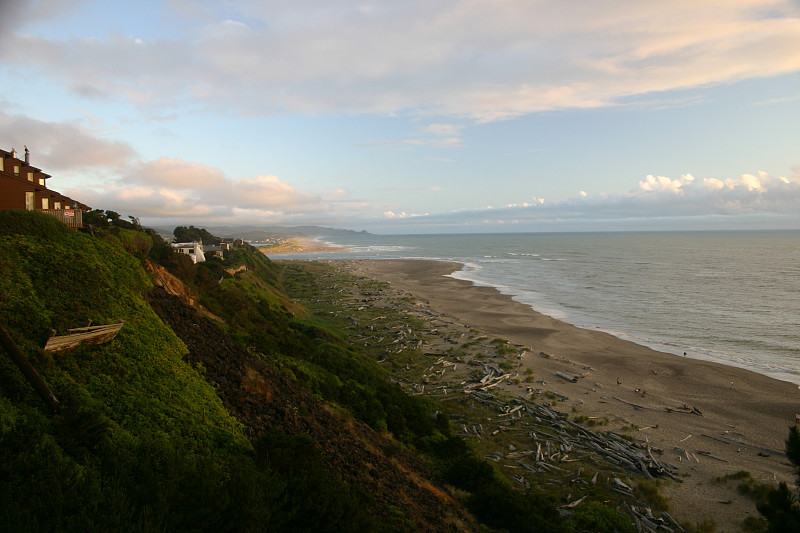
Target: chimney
(13, 153)
(27, 156)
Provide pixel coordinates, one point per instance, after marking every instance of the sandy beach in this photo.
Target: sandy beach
(300, 245)
(709, 419)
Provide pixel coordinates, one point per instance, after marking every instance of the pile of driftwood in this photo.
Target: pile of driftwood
(544, 441)
(556, 442)
(564, 441)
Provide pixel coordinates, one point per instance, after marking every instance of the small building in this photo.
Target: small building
(192, 249)
(214, 251)
(23, 186)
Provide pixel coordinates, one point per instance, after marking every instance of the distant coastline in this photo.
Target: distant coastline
(300, 245)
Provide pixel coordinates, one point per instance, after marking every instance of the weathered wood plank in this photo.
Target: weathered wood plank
(91, 335)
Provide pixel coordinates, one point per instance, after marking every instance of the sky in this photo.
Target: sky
(404, 117)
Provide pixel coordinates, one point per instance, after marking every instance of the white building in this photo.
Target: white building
(192, 249)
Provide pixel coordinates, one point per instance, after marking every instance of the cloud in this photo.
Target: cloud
(438, 136)
(751, 193)
(654, 198)
(174, 189)
(166, 188)
(62, 146)
(173, 173)
(482, 60)
(403, 214)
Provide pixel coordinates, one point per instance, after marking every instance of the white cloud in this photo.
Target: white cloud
(403, 214)
(484, 60)
(762, 193)
(178, 174)
(62, 146)
(654, 198)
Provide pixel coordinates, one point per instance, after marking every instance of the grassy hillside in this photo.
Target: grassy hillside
(222, 404)
(146, 436)
(140, 439)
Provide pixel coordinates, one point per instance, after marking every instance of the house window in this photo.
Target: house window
(45, 203)
(41, 182)
(2, 164)
(29, 201)
(30, 176)
(56, 205)
(16, 170)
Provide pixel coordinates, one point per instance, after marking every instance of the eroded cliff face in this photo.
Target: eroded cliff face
(174, 286)
(264, 400)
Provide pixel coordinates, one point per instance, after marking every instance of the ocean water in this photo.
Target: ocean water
(731, 297)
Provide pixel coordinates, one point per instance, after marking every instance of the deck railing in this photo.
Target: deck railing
(73, 218)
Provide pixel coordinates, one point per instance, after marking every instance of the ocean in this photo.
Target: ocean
(730, 297)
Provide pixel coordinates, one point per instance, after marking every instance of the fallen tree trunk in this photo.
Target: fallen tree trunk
(27, 369)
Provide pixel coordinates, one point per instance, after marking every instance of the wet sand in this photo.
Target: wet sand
(709, 419)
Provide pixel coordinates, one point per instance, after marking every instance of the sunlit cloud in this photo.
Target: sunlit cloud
(164, 188)
(481, 60)
(171, 188)
(178, 174)
(62, 146)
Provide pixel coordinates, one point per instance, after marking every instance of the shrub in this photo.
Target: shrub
(35, 223)
(599, 518)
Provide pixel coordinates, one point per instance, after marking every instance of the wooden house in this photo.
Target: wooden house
(23, 186)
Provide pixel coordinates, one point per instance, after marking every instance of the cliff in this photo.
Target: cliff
(186, 421)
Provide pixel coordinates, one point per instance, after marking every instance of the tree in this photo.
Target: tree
(192, 234)
(793, 449)
(780, 507)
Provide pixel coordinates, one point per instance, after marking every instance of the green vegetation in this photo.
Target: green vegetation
(595, 516)
(140, 440)
(147, 439)
(590, 421)
(747, 485)
(192, 234)
(780, 506)
(648, 491)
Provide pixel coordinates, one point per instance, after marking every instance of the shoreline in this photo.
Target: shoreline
(697, 354)
(737, 418)
(782, 371)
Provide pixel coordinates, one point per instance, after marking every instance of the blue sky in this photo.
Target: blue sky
(413, 116)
